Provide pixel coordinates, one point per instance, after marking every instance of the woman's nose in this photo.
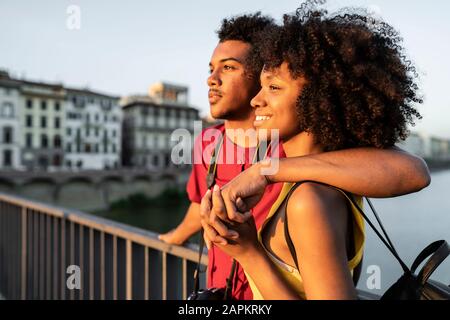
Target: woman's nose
(258, 100)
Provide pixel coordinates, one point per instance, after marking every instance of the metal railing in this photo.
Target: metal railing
(39, 243)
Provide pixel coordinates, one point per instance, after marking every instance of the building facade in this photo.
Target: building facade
(51, 127)
(10, 101)
(93, 130)
(149, 121)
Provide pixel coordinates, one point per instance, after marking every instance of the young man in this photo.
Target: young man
(232, 85)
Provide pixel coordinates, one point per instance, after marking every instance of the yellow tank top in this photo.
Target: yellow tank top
(290, 273)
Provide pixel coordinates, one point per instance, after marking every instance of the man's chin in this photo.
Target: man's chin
(217, 112)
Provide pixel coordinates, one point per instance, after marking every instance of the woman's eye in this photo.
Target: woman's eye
(228, 67)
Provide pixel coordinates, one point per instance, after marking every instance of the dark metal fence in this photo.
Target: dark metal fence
(42, 247)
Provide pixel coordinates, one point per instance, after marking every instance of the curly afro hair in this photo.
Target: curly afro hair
(246, 28)
(360, 89)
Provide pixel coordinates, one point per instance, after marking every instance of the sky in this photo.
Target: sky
(122, 47)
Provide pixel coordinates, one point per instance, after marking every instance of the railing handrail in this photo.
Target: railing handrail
(147, 238)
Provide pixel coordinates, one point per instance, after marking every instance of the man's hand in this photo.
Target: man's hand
(243, 192)
(172, 237)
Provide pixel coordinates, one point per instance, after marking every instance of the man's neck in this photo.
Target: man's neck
(236, 129)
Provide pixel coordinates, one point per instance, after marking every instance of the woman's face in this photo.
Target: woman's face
(275, 104)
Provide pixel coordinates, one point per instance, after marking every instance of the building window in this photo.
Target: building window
(97, 117)
(29, 103)
(7, 110)
(7, 158)
(69, 131)
(57, 160)
(68, 147)
(7, 135)
(87, 148)
(96, 148)
(29, 140)
(43, 162)
(57, 141)
(167, 158)
(97, 132)
(44, 141)
(114, 148)
(156, 160)
(68, 164)
(105, 141)
(57, 106)
(57, 123)
(29, 121)
(43, 105)
(114, 134)
(43, 122)
(88, 132)
(78, 140)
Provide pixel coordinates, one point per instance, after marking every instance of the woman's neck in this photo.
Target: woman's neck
(301, 144)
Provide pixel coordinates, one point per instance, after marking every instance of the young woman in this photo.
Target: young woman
(329, 83)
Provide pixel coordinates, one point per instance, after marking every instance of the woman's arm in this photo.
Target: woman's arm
(318, 219)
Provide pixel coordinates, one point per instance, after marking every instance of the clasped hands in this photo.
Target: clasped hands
(226, 217)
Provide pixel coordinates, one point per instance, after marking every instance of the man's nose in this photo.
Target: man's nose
(214, 79)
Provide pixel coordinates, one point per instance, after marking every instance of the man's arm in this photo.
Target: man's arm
(371, 172)
(189, 226)
(376, 173)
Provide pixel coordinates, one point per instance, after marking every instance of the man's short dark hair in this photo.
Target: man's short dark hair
(246, 28)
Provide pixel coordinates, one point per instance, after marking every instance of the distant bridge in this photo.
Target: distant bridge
(91, 189)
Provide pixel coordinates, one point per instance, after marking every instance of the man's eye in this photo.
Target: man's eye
(210, 71)
(226, 67)
(274, 88)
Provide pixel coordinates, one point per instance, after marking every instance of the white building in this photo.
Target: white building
(149, 122)
(9, 122)
(50, 127)
(93, 130)
(42, 125)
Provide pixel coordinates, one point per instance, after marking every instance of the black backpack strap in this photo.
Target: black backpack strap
(439, 251)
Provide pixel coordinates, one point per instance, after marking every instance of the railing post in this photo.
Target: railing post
(129, 270)
(164, 275)
(24, 254)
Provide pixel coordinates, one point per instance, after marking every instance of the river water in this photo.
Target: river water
(412, 222)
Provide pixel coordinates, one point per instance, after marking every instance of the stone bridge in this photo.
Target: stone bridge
(91, 189)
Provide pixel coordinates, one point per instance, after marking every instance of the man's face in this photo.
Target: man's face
(231, 87)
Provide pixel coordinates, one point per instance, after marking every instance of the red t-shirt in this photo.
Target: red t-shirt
(219, 265)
